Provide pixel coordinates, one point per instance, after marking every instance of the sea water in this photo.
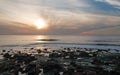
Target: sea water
(82, 41)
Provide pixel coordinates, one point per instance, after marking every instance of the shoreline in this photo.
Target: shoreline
(61, 45)
(73, 60)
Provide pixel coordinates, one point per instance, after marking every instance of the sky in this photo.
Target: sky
(63, 17)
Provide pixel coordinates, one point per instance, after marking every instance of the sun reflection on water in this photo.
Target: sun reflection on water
(40, 38)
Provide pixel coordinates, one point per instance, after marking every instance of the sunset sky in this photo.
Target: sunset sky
(70, 17)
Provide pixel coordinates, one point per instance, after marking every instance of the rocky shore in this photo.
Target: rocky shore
(61, 61)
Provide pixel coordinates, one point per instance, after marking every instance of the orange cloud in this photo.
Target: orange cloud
(87, 33)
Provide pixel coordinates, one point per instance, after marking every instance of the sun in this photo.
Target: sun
(40, 23)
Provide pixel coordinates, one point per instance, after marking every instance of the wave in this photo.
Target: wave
(60, 44)
(75, 44)
(104, 41)
(47, 40)
(9, 45)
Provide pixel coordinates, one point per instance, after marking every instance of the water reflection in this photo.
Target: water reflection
(45, 38)
(38, 38)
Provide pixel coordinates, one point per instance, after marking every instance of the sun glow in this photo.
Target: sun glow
(40, 23)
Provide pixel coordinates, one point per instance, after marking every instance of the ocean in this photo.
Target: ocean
(82, 41)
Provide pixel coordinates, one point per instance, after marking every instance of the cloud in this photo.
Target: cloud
(115, 3)
(62, 16)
